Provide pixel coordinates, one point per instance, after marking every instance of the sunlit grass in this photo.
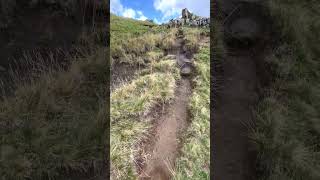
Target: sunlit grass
(128, 105)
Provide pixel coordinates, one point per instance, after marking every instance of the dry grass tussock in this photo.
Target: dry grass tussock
(56, 124)
(135, 50)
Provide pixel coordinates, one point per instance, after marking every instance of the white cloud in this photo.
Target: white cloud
(129, 13)
(117, 8)
(171, 9)
(142, 18)
(155, 20)
(140, 13)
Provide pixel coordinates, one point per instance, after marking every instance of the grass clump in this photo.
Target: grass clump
(169, 39)
(154, 55)
(129, 104)
(288, 120)
(56, 125)
(194, 162)
(135, 50)
(192, 37)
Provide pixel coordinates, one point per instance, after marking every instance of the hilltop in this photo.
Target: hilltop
(189, 19)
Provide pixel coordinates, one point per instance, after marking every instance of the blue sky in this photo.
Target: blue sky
(159, 11)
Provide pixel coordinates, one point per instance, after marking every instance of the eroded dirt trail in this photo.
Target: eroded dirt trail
(165, 145)
(165, 149)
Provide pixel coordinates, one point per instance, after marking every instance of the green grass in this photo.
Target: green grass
(132, 40)
(137, 43)
(194, 162)
(121, 27)
(287, 131)
(153, 85)
(128, 105)
(56, 124)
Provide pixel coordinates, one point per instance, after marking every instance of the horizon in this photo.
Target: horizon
(159, 11)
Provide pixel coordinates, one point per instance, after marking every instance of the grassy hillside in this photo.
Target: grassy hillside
(128, 104)
(152, 86)
(121, 26)
(288, 120)
(131, 40)
(136, 42)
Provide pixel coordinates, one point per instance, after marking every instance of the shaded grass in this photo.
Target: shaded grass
(56, 125)
(129, 104)
(10, 8)
(287, 131)
(194, 162)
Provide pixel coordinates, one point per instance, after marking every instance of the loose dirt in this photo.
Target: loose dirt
(165, 144)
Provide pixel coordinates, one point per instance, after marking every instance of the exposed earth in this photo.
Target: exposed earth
(164, 146)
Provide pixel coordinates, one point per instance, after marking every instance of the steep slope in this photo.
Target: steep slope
(150, 105)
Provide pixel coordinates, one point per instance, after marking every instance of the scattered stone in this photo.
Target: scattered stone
(170, 56)
(189, 19)
(186, 69)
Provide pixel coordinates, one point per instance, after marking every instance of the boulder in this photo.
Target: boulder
(189, 19)
(186, 68)
(186, 14)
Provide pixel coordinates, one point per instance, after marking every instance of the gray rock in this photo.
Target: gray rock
(189, 19)
(170, 56)
(186, 70)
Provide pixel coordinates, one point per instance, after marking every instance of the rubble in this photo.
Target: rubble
(189, 19)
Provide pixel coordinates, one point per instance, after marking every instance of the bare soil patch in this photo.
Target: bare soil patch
(171, 124)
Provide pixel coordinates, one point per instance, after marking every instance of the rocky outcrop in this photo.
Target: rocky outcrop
(189, 19)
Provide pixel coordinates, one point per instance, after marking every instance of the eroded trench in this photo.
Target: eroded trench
(163, 146)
